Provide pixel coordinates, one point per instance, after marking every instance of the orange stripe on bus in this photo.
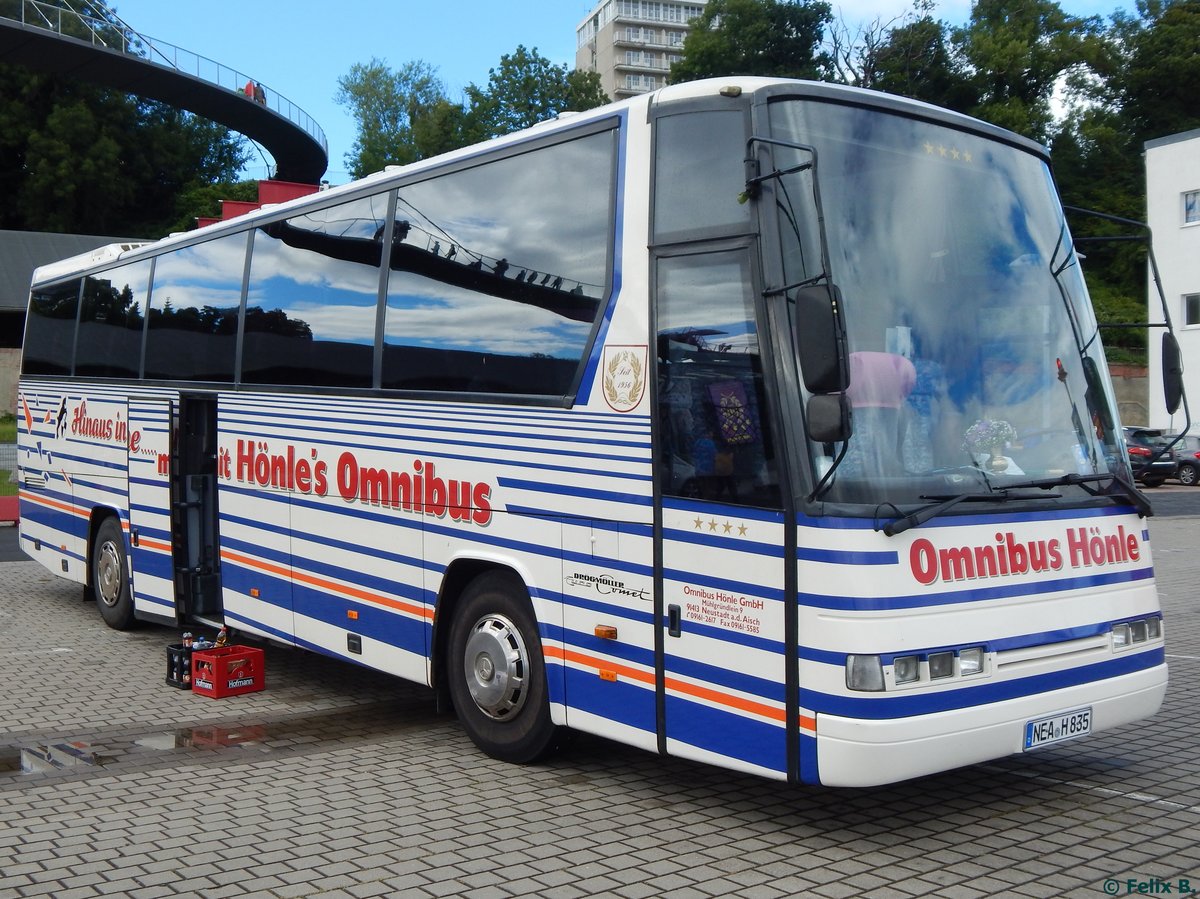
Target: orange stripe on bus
(52, 503)
(579, 658)
(808, 723)
(715, 696)
(333, 586)
(143, 543)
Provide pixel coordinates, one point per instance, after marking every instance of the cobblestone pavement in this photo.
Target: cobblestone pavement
(336, 781)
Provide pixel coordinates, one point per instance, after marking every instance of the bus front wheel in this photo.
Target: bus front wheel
(497, 672)
(110, 576)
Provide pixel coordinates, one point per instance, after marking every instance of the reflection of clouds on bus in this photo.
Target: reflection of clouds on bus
(527, 214)
(461, 319)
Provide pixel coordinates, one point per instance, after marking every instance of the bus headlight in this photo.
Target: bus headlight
(864, 673)
(970, 661)
(907, 669)
(941, 664)
(1120, 635)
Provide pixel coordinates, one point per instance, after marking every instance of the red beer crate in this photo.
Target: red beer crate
(228, 671)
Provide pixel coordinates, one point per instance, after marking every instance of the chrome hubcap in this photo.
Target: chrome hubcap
(497, 667)
(108, 573)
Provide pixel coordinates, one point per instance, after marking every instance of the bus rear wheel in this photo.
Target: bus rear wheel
(497, 673)
(110, 576)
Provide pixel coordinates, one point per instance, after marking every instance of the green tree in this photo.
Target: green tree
(384, 103)
(916, 59)
(779, 38)
(1016, 51)
(526, 88)
(1159, 84)
(404, 115)
(83, 159)
(1134, 96)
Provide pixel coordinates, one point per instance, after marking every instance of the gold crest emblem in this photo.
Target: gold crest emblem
(624, 377)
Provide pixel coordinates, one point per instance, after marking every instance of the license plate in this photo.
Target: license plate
(1056, 728)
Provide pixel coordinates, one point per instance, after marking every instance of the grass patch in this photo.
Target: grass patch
(8, 428)
(7, 487)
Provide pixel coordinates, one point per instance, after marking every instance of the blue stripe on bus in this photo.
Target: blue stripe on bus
(981, 594)
(54, 519)
(642, 616)
(403, 418)
(233, 619)
(595, 646)
(326, 541)
(611, 496)
(808, 760)
(349, 576)
(402, 438)
(724, 511)
(762, 687)
(90, 461)
(717, 541)
(623, 701)
(391, 627)
(847, 556)
(884, 707)
(954, 521)
(414, 412)
(153, 563)
(728, 734)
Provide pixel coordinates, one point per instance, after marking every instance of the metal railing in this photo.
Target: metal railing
(114, 35)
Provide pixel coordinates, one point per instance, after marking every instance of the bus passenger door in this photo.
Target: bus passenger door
(720, 576)
(151, 424)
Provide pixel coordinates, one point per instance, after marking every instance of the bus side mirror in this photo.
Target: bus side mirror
(821, 339)
(828, 418)
(1172, 372)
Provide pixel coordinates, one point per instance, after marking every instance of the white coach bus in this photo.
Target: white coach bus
(758, 422)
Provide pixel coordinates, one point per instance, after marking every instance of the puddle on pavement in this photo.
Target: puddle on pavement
(287, 735)
(50, 757)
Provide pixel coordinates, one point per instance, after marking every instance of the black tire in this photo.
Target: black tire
(497, 673)
(1188, 476)
(1153, 482)
(110, 576)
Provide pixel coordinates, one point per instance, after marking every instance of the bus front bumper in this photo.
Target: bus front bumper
(861, 753)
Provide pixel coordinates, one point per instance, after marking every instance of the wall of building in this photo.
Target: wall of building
(1172, 171)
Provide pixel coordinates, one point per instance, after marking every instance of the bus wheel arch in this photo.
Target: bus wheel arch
(108, 570)
(494, 667)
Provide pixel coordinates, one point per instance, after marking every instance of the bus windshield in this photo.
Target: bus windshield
(974, 355)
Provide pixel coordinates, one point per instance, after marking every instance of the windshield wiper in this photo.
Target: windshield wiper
(1135, 496)
(922, 515)
(1006, 494)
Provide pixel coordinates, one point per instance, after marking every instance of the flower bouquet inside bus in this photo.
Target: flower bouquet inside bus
(214, 667)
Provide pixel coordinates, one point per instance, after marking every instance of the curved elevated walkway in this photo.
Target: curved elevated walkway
(160, 71)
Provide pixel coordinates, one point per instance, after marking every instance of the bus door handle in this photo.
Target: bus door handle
(674, 616)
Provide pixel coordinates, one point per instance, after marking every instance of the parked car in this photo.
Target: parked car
(1143, 444)
(1187, 460)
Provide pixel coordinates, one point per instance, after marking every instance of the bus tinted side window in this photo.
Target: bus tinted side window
(110, 323)
(194, 306)
(50, 330)
(498, 272)
(313, 295)
(700, 176)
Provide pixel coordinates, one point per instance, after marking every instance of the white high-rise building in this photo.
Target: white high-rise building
(632, 43)
(1173, 212)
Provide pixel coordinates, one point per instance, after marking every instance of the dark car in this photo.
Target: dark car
(1143, 444)
(1187, 460)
